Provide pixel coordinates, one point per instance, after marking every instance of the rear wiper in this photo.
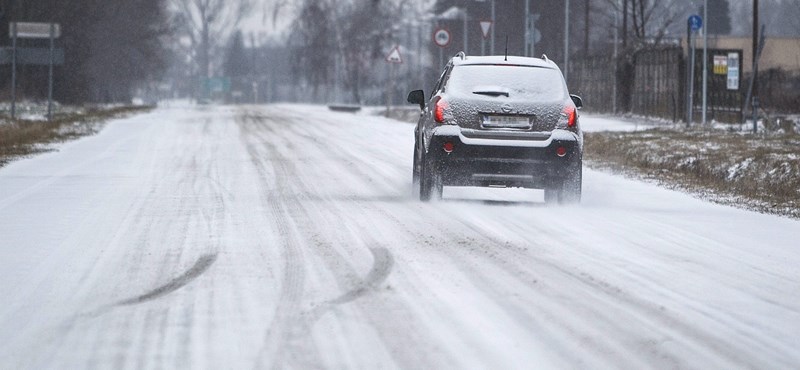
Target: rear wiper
(492, 93)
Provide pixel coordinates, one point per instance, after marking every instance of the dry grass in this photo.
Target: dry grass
(759, 172)
(19, 138)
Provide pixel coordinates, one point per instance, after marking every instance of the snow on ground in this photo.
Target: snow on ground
(286, 236)
(593, 123)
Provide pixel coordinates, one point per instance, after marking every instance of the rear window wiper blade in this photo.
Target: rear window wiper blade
(492, 93)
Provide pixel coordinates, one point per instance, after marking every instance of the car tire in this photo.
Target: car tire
(568, 191)
(572, 187)
(415, 173)
(551, 195)
(430, 182)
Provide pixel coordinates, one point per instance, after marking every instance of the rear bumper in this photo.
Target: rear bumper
(509, 161)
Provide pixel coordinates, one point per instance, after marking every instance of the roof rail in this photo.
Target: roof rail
(461, 55)
(544, 56)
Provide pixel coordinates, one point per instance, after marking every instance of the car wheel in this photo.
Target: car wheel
(571, 189)
(567, 191)
(415, 175)
(551, 195)
(430, 182)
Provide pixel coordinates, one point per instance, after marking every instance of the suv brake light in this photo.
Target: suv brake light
(571, 114)
(438, 110)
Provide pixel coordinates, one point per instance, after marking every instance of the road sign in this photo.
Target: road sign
(32, 56)
(27, 30)
(394, 56)
(216, 84)
(720, 64)
(733, 71)
(441, 37)
(485, 27)
(695, 22)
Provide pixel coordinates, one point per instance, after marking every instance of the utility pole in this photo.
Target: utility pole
(586, 28)
(566, 41)
(14, 70)
(624, 25)
(616, 55)
(705, 60)
(466, 36)
(755, 46)
(527, 51)
(494, 25)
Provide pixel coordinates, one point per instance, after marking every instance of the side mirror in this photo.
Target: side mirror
(577, 100)
(417, 97)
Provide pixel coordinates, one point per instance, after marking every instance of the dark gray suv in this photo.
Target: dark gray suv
(501, 122)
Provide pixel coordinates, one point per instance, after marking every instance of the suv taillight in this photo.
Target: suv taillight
(572, 116)
(438, 110)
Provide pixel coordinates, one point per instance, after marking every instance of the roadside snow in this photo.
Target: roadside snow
(592, 123)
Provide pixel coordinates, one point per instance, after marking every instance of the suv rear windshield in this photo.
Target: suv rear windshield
(530, 83)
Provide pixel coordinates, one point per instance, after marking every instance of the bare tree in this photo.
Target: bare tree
(208, 24)
(351, 34)
(650, 20)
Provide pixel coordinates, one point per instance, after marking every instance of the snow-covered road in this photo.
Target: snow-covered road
(286, 237)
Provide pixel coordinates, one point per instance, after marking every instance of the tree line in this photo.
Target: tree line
(111, 47)
(342, 40)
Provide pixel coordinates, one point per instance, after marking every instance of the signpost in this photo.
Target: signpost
(33, 56)
(733, 71)
(441, 37)
(486, 26)
(394, 58)
(705, 62)
(694, 24)
(720, 64)
(27, 30)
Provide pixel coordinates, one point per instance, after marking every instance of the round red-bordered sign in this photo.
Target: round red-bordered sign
(441, 37)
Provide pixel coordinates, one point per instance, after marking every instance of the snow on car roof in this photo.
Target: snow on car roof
(500, 59)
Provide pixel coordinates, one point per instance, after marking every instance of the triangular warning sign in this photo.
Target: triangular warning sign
(485, 27)
(394, 56)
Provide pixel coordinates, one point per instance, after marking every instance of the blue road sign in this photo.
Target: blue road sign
(695, 22)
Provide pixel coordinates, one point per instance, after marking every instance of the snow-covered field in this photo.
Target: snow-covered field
(286, 236)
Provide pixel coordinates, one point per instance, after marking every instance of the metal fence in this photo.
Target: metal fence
(657, 88)
(651, 84)
(593, 79)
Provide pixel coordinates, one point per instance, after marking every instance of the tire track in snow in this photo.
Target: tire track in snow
(382, 266)
(187, 277)
(302, 208)
(291, 293)
(307, 202)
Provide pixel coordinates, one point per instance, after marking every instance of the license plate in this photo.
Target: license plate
(506, 122)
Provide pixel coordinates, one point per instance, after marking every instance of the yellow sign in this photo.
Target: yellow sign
(720, 64)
